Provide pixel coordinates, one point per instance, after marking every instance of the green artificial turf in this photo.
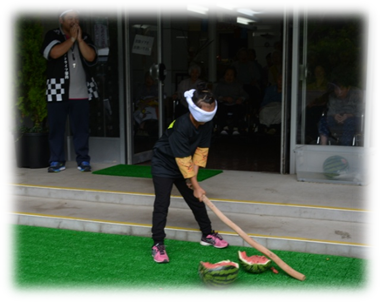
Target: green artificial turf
(144, 171)
(55, 258)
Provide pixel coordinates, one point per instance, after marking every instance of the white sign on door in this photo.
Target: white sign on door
(143, 45)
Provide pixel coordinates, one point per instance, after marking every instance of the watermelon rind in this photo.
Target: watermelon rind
(255, 268)
(219, 276)
(334, 166)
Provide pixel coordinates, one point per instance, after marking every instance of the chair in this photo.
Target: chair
(335, 134)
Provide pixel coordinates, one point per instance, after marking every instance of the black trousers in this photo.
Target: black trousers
(78, 113)
(163, 187)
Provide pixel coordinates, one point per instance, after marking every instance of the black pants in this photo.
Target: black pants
(163, 187)
(78, 113)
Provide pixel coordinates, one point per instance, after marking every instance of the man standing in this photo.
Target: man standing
(69, 53)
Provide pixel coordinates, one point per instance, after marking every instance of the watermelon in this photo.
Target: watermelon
(218, 274)
(335, 166)
(254, 264)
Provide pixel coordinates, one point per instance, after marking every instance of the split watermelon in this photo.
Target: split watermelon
(254, 264)
(335, 166)
(218, 274)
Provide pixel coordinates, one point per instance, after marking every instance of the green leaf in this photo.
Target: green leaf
(29, 82)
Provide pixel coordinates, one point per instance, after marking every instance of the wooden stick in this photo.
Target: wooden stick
(253, 243)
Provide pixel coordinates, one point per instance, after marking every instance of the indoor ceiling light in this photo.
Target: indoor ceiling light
(142, 26)
(244, 21)
(226, 6)
(198, 9)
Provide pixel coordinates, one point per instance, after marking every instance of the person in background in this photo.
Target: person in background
(185, 85)
(320, 81)
(316, 99)
(231, 97)
(276, 68)
(271, 106)
(253, 58)
(249, 75)
(69, 52)
(177, 156)
(344, 108)
(268, 59)
(146, 107)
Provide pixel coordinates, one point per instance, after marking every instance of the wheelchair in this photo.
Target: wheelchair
(336, 134)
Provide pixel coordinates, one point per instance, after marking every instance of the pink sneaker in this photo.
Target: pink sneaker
(159, 253)
(214, 239)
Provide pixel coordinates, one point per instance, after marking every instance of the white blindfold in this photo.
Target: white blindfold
(199, 115)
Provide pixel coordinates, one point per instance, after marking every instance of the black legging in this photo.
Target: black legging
(163, 187)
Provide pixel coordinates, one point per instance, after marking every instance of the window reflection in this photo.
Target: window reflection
(332, 105)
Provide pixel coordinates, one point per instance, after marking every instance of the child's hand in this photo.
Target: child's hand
(199, 193)
(188, 183)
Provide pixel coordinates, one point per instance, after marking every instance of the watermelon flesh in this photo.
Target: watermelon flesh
(220, 264)
(254, 264)
(218, 274)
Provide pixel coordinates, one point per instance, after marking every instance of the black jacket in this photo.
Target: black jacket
(181, 139)
(58, 73)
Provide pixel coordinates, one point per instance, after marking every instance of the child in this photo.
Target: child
(177, 156)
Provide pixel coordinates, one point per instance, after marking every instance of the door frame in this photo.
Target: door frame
(131, 157)
(286, 96)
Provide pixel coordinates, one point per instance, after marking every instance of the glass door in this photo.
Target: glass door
(125, 121)
(328, 93)
(144, 87)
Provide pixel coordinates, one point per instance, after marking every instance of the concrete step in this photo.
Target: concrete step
(302, 229)
(304, 211)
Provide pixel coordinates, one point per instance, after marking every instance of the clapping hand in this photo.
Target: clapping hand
(76, 32)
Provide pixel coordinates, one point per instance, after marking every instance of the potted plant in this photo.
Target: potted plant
(32, 145)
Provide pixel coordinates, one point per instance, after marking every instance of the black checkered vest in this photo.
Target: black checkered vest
(58, 74)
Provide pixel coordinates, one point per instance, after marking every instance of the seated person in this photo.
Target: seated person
(344, 110)
(185, 85)
(231, 97)
(146, 115)
(316, 99)
(317, 95)
(313, 115)
(249, 74)
(320, 82)
(270, 110)
(275, 70)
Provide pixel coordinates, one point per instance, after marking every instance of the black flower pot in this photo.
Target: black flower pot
(32, 150)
